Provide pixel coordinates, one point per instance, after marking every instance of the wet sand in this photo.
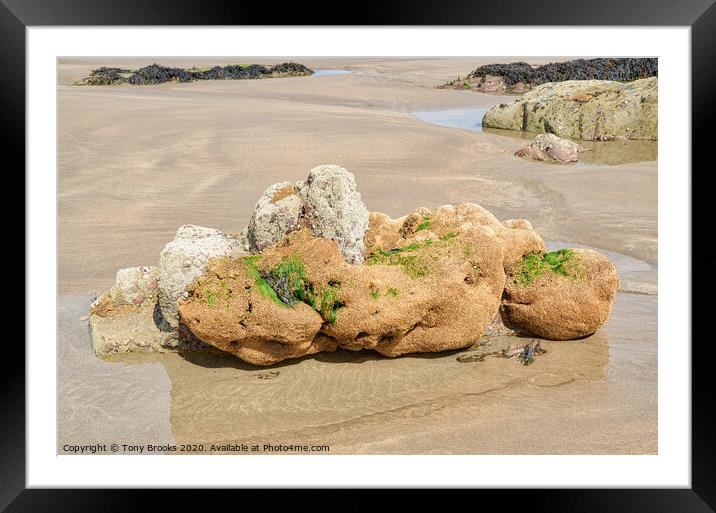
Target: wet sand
(137, 162)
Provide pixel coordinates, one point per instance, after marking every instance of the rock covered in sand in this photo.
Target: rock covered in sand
(183, 260)
(583, 109)
(549, 147)
(562, 295)
(301, 296)
(432, 280)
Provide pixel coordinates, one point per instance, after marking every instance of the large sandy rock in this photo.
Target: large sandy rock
(583, 109)
(561, 295)
(549, 147)
(183, 260)
(301, 296)
(335, 210)
(276, 214)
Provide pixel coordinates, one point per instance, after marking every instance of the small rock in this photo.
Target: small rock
(552, 148)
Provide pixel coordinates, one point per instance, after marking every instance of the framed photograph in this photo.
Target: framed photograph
(435, 248)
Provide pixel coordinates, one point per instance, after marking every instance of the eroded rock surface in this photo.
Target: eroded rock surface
(395, 303)
(597, 110)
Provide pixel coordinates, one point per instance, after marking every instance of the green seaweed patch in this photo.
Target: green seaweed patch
(425, 224)
(374, 293)
(392, 292)
(292, 269)
(330, 304)
(288, 284)
(414, 265)
(562, 262)
(448, 236)
(253, 271)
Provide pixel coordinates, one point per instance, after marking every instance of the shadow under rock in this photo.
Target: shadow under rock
(213, 358)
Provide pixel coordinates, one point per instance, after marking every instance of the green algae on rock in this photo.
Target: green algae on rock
(563, 262)
(561, 295)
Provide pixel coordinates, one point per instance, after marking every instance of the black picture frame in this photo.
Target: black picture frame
(16, 15)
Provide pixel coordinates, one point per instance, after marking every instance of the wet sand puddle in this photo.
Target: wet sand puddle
(327, 72)
(609, 153)
(216, 398)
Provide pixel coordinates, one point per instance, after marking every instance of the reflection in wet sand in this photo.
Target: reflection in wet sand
(217, 398)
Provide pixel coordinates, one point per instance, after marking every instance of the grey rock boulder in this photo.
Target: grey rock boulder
(184, 259)
(276, 214)
(335, 210)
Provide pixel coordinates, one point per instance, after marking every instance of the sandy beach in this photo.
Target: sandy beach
(136, 162)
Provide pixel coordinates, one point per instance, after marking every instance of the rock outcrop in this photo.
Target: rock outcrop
(157, 74)
(327, 203)
(271, 307)
(519, 77)
(595, 110)
(135, 285)
(549, 147)
(127, 317)
(561, 295)
(325, 274)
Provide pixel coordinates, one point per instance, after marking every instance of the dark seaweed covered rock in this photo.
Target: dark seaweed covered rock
(291, 68)
(157, 74)
(519, 77)
(231, 72)
(106, 76)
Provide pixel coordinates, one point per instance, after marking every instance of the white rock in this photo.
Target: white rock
(335, 209)
(276, 214)
(184, 259)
